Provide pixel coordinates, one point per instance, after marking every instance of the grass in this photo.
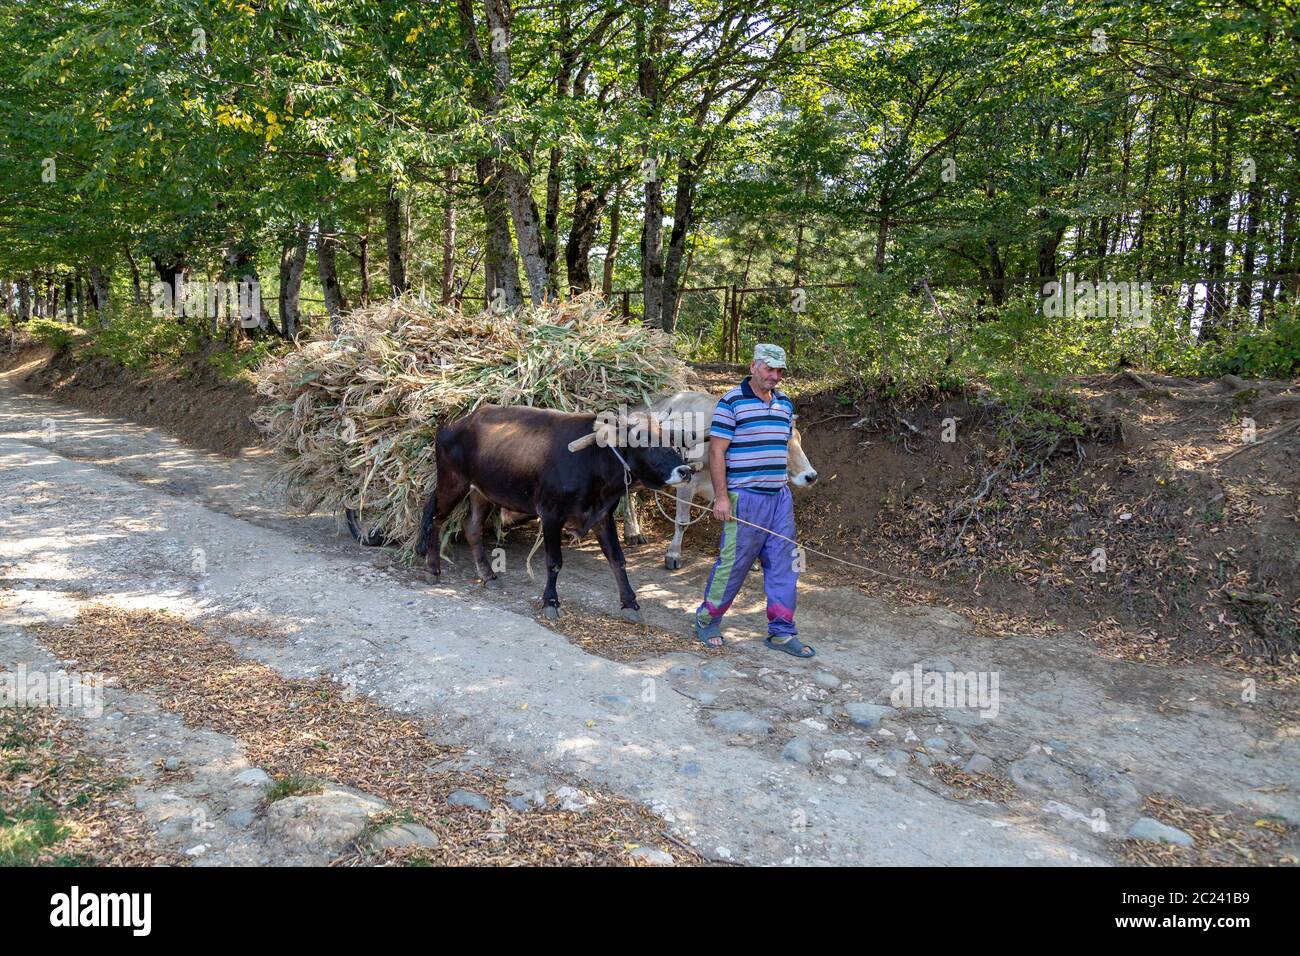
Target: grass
(31, 819)
(292, 785)
(26, 829)
(54, 798)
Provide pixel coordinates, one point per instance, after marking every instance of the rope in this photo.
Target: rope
(860, 567)
(660, 505)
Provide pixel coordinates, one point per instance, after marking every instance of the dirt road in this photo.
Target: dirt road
(752, 756)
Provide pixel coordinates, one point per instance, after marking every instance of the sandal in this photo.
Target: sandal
(792, 646)
(708, 633)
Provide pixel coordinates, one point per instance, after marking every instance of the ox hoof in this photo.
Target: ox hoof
(551, 613)
(635, 539)
(432, 576)
(492, 584)
(633, 615)
(673, 561)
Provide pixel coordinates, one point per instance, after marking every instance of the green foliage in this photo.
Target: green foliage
(57, 335)
(137, 339)
(887, 333)
(805, 141)
(1036, 415)
(244, 356)
(1270, 352)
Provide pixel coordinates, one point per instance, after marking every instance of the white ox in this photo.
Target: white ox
(687, 416)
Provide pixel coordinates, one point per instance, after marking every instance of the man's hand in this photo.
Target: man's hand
(722, 508)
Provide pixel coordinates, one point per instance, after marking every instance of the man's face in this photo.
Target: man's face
(766, 378)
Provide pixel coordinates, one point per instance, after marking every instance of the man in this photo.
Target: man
(748, 442)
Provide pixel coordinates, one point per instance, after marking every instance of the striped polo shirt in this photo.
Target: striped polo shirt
(760, 437)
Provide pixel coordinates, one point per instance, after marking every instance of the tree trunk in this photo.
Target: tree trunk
(652, 254)
(1246, 290)
(1180, 260)
(137, 293)
(882, 235)
(1216, 293)
(241, 267)
(798, 254)
(80, 288)
(1285, 252)
(327, 267)
(563, 92)
(683, 209)
(518, 187)
(1147, 209)
(24, 299)
(997, 274)
(67, 298)
(680, 285)
(393, 239)
(501, 267)
(99, 283)
(363, 266)
(293, 262)
(649, 86)
(588, 208)
(551, 231)
(449, 239)
(171, 271)
(611, 250)
(523, 213)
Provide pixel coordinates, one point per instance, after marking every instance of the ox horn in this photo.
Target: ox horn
(606, 432)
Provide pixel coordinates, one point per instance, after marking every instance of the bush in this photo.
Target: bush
(888, 333)
(1269, 352)
(244, 356)
(136, 338)
(57, 335)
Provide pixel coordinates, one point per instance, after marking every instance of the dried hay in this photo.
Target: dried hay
(352, 416)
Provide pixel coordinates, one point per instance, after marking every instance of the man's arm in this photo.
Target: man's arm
(718, 474)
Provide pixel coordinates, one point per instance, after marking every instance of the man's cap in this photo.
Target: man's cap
(773, 356)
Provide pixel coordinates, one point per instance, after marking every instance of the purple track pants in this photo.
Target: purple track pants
(741, 545)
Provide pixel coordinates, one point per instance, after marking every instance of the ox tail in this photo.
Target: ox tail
(426, 526)
(370, 539)
(528, 562)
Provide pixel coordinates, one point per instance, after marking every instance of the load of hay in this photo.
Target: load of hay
(352, 416)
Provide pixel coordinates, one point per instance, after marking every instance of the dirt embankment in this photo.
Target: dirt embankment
(1176, 536)
(193, 400)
